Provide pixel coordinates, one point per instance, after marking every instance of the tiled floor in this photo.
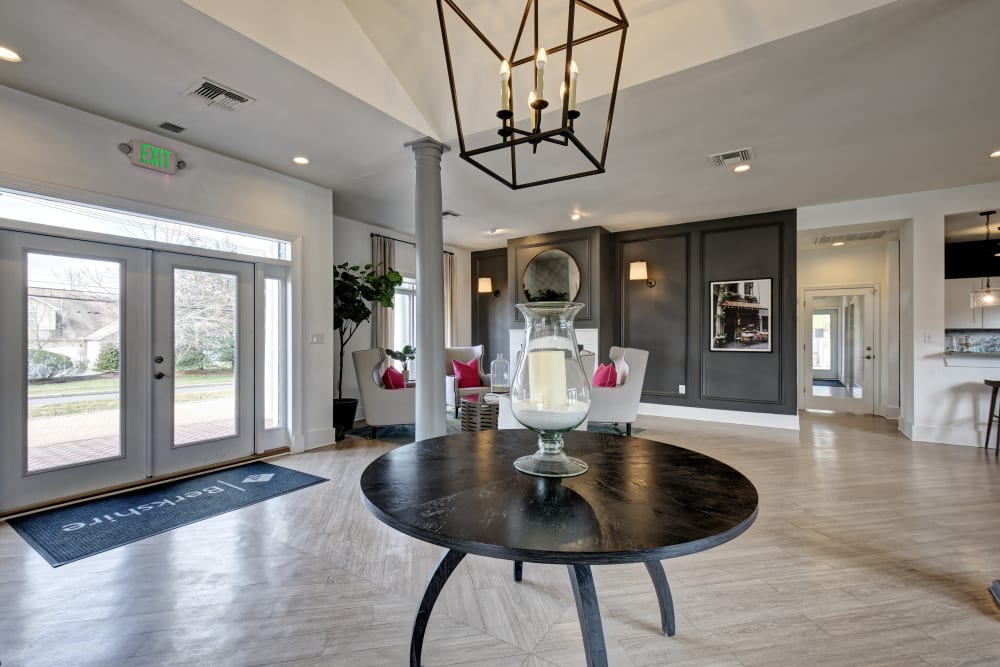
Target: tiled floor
(869, 550)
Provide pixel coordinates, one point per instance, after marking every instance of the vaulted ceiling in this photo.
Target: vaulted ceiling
(839, 101)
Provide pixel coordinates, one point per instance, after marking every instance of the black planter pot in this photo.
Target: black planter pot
(344, 410)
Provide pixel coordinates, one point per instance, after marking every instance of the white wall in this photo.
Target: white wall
(44, 143)
(352, 243)
(861, 265)
(938, 403)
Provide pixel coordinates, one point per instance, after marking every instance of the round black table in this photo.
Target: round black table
(640, 502)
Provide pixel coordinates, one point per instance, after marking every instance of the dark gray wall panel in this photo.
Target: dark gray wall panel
(752, 252)
(491, 319)
(747, 247)
(656, 318)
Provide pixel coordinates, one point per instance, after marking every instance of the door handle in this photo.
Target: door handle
(869, 356)
(159, 376)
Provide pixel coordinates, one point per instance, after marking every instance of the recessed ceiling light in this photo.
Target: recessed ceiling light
(300, 159)
(492, 230)
(9, 55)
(995, 153)
(575, 215)
(741, 168)
(837, 243)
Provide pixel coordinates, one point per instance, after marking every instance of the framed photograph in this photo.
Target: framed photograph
(741, 315)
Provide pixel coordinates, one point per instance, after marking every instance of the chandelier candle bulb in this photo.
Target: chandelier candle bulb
(505, 86)
(574, 74)
(546, 368)
(540, 63)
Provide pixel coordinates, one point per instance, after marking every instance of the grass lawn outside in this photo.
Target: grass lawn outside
(111, 384)
(86, 407)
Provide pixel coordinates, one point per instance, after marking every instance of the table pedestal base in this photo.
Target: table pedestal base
(584, 593)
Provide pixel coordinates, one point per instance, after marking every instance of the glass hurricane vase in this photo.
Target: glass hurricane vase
(550, 392)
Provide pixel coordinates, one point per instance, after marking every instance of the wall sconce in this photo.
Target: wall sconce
(637, 271)
(486, 287)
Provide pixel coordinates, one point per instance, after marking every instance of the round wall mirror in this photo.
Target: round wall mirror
(551, 275)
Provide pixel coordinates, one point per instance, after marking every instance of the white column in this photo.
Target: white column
(430, 290)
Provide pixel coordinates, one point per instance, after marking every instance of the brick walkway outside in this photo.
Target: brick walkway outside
(72, 439)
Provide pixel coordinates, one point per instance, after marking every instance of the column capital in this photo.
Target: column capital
(427, 142)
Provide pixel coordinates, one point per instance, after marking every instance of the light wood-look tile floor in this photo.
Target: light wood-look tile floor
(869, 550)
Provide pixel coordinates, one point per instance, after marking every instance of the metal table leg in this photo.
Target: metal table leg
(659, 577)
(446, 565)
(590, 615)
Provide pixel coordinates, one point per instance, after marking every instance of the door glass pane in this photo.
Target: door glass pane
(821, 342)
(73, 319)
(272, 352)
(204, 355)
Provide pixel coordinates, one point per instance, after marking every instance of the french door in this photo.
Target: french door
(202, 361)
(839, 367)
(118, 364)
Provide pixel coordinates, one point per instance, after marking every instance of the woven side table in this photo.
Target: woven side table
(478, 414)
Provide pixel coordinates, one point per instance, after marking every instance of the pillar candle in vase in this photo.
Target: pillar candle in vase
(547, 378)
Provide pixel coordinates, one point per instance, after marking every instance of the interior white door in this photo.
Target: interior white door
(202, 361)
(74, 358)
(851, 351)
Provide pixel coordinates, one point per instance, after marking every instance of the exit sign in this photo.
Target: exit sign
(151, 156)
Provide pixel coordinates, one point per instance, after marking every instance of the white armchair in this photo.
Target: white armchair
(383, 407)
(453, 394)
(620, 404)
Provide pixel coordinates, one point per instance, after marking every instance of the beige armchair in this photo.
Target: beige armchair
(620, 404)
(383, 407)
(453, 394)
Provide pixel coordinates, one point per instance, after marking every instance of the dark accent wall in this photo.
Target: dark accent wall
(971, 259)
(672, 319)
(491, 316)
(594, 251)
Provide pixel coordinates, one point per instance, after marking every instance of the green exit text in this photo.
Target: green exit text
(154, 156)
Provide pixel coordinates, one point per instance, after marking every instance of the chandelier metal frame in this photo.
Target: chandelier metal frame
(511, 136)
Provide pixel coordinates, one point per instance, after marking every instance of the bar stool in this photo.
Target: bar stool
(995, 384)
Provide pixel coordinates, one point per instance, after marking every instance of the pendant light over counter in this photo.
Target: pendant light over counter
(986, 297)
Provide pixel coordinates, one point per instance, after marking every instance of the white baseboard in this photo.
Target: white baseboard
(724, 416)
(890, 411)
(313, 439)
(946, 436)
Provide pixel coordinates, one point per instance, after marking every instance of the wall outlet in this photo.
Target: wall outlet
(317, 339)
(682, 389)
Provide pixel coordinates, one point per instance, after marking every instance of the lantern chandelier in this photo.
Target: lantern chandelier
(521, 129)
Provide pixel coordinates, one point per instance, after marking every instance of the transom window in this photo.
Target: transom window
(41, 210)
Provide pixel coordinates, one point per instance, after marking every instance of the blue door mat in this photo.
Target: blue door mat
(65, 534)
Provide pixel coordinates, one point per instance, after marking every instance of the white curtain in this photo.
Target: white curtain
(384, 258)
(449, 290)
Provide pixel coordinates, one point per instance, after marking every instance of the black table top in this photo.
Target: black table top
(641, 500)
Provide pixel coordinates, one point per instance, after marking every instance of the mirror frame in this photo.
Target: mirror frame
(575, 264)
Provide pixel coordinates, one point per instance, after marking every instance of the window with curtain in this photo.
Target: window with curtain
(404, 314)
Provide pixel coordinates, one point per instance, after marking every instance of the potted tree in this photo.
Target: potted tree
(354, 288)
(406, 355)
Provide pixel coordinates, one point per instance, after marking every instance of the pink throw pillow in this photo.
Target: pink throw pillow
(393, 379)
(605, 376)
(466, 374)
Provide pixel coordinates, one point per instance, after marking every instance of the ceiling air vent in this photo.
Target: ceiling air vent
(727, 158)
(217, 95)
(170, 127)
(873, 235)
(450, 214)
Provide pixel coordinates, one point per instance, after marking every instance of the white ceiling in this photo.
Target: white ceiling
(878, 98)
